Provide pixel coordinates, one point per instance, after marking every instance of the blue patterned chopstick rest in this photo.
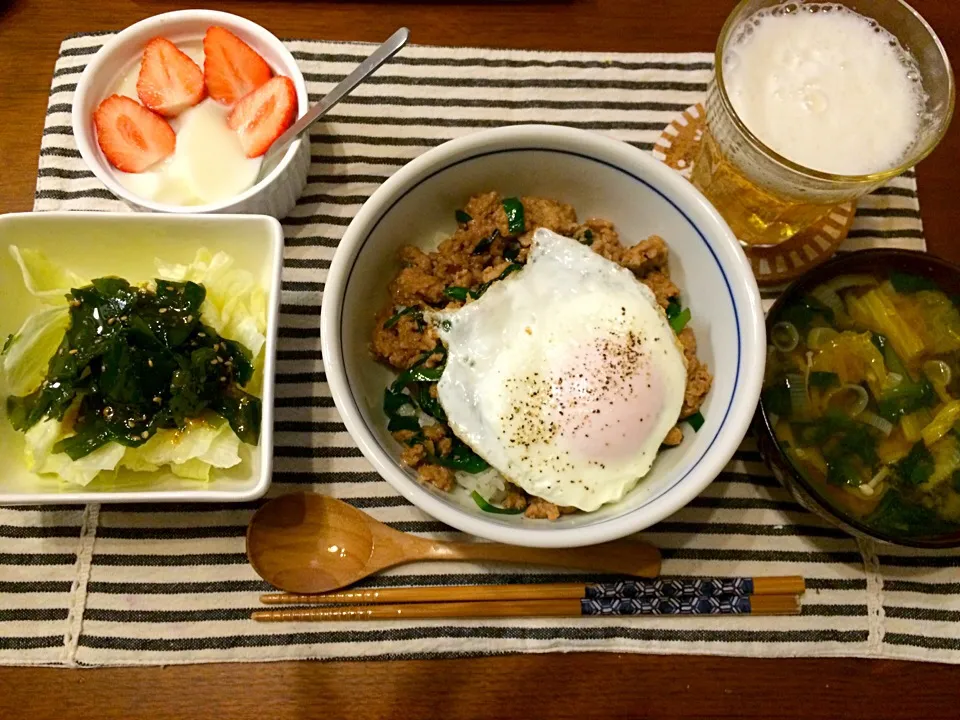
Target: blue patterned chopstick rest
(667, 605)
(670, 587)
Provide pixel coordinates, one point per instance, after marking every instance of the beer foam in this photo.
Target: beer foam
(825, 87)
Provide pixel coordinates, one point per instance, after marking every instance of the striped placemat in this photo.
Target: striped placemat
(162, 584)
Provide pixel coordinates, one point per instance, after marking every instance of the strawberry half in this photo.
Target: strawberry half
(263, 115)
(231, 68)
(132, 137)
(169, 81)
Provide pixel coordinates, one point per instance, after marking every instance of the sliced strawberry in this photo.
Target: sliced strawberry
(132, 137)
(263, 115)
(231, 68)
(169, 81)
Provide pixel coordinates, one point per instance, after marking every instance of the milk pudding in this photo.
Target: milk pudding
(208, 165)
(825, 87)
(189, 125)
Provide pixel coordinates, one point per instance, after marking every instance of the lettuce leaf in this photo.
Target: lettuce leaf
(24, 362)
(235, 306)
(43, 278)
(41, 459)
(190, 453)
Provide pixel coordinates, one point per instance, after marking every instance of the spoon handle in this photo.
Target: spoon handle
(627, 557)
(360, 73)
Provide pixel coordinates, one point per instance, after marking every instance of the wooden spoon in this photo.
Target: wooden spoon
(309, 543)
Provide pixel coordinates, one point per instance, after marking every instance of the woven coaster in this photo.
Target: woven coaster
(678, 147)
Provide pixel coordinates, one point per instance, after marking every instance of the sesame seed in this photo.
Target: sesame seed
(145, 434)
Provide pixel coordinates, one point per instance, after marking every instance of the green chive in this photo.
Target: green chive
(462, 217)
(487, 507)
(412, 310)
(516, 223)
(679, 322)
(456, 293)
(696, 421)
(673, 308)
(485, 243)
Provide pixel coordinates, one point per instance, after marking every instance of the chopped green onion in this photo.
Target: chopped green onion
(673, 308)
(512, 268)
(797, 385)
(516, 223)
(462, 217)
(487, 507)
(820, 336)
(457, 293)
(394, 400)
(679, 321)
(403, 422)
(784, 336)
(842, 282)
(393, 320)
(874, 420)
(417, 374)
(420, 392)
(828, 297)
(823, 380)
(696, 421)
(850, 399)
(461, 457)
(776, 398)
(485, 243)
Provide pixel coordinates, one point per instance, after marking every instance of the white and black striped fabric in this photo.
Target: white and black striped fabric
(164, 584)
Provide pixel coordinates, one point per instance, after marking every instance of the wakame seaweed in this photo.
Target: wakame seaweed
(133, 362)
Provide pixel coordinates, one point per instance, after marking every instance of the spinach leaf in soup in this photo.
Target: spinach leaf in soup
(898, 515)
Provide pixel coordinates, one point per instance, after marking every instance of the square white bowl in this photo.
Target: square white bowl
(96, 244)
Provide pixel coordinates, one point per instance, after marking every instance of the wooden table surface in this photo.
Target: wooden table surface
(576, 685)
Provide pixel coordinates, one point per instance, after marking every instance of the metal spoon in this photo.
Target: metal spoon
(309, 543)
(362, 71)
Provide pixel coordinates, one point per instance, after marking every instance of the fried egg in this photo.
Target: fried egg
(565, 376)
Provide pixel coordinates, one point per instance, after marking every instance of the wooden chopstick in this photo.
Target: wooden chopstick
(569, 607)
(787, 585)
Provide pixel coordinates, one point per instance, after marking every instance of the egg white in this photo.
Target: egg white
(510, 352)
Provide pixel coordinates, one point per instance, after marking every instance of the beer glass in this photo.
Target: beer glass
(765, 197)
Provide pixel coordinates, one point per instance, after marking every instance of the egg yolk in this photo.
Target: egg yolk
(606, 398)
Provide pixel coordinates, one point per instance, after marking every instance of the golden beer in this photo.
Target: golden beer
(758, 216)
(834, 138)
